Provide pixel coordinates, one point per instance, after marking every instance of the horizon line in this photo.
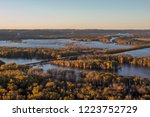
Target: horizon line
(68, 29)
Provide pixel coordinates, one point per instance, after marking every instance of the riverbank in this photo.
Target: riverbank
(115, 51)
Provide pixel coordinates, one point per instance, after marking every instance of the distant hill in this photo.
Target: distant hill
(63, 33)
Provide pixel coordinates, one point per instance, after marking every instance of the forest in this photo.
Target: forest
(20, 82)
(75, 72)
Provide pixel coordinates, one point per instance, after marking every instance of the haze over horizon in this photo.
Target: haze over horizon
(74, 14)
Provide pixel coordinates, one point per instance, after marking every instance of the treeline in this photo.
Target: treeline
(19, 83)
(130, 41)
(91, 64)
(43, 53)
(120, 50)
(126, 59)
(120, 58)
(39, 53)
(102, 38)
(142, 61)
(103, 62)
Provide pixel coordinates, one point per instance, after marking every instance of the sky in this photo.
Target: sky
(74, 14)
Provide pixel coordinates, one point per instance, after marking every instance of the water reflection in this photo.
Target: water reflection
(131, 70)
(19, 61)
(46, 67)
(38, 43)
(126, 70)
(59, 43)
(95, 44)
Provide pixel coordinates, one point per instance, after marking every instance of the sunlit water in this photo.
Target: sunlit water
(139, 53)
(95, 44)
(131, 70)
(19, 61)
(59, 43)
(36, 43)
(126, 70)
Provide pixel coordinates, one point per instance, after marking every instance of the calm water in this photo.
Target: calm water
(49, 66)
(139, 53)
(95, 44)
(38, 43)
(19, 61)
(58, 43)
(126, 70)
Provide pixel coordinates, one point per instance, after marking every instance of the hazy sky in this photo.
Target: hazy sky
(79, 14)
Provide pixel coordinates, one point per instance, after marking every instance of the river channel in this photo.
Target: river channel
(125, 70)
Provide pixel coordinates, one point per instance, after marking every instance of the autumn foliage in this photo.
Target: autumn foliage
(20, 82)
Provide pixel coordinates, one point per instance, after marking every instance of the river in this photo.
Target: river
(19, 61)
(138, 53)
(59, 43)
(125, 70)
